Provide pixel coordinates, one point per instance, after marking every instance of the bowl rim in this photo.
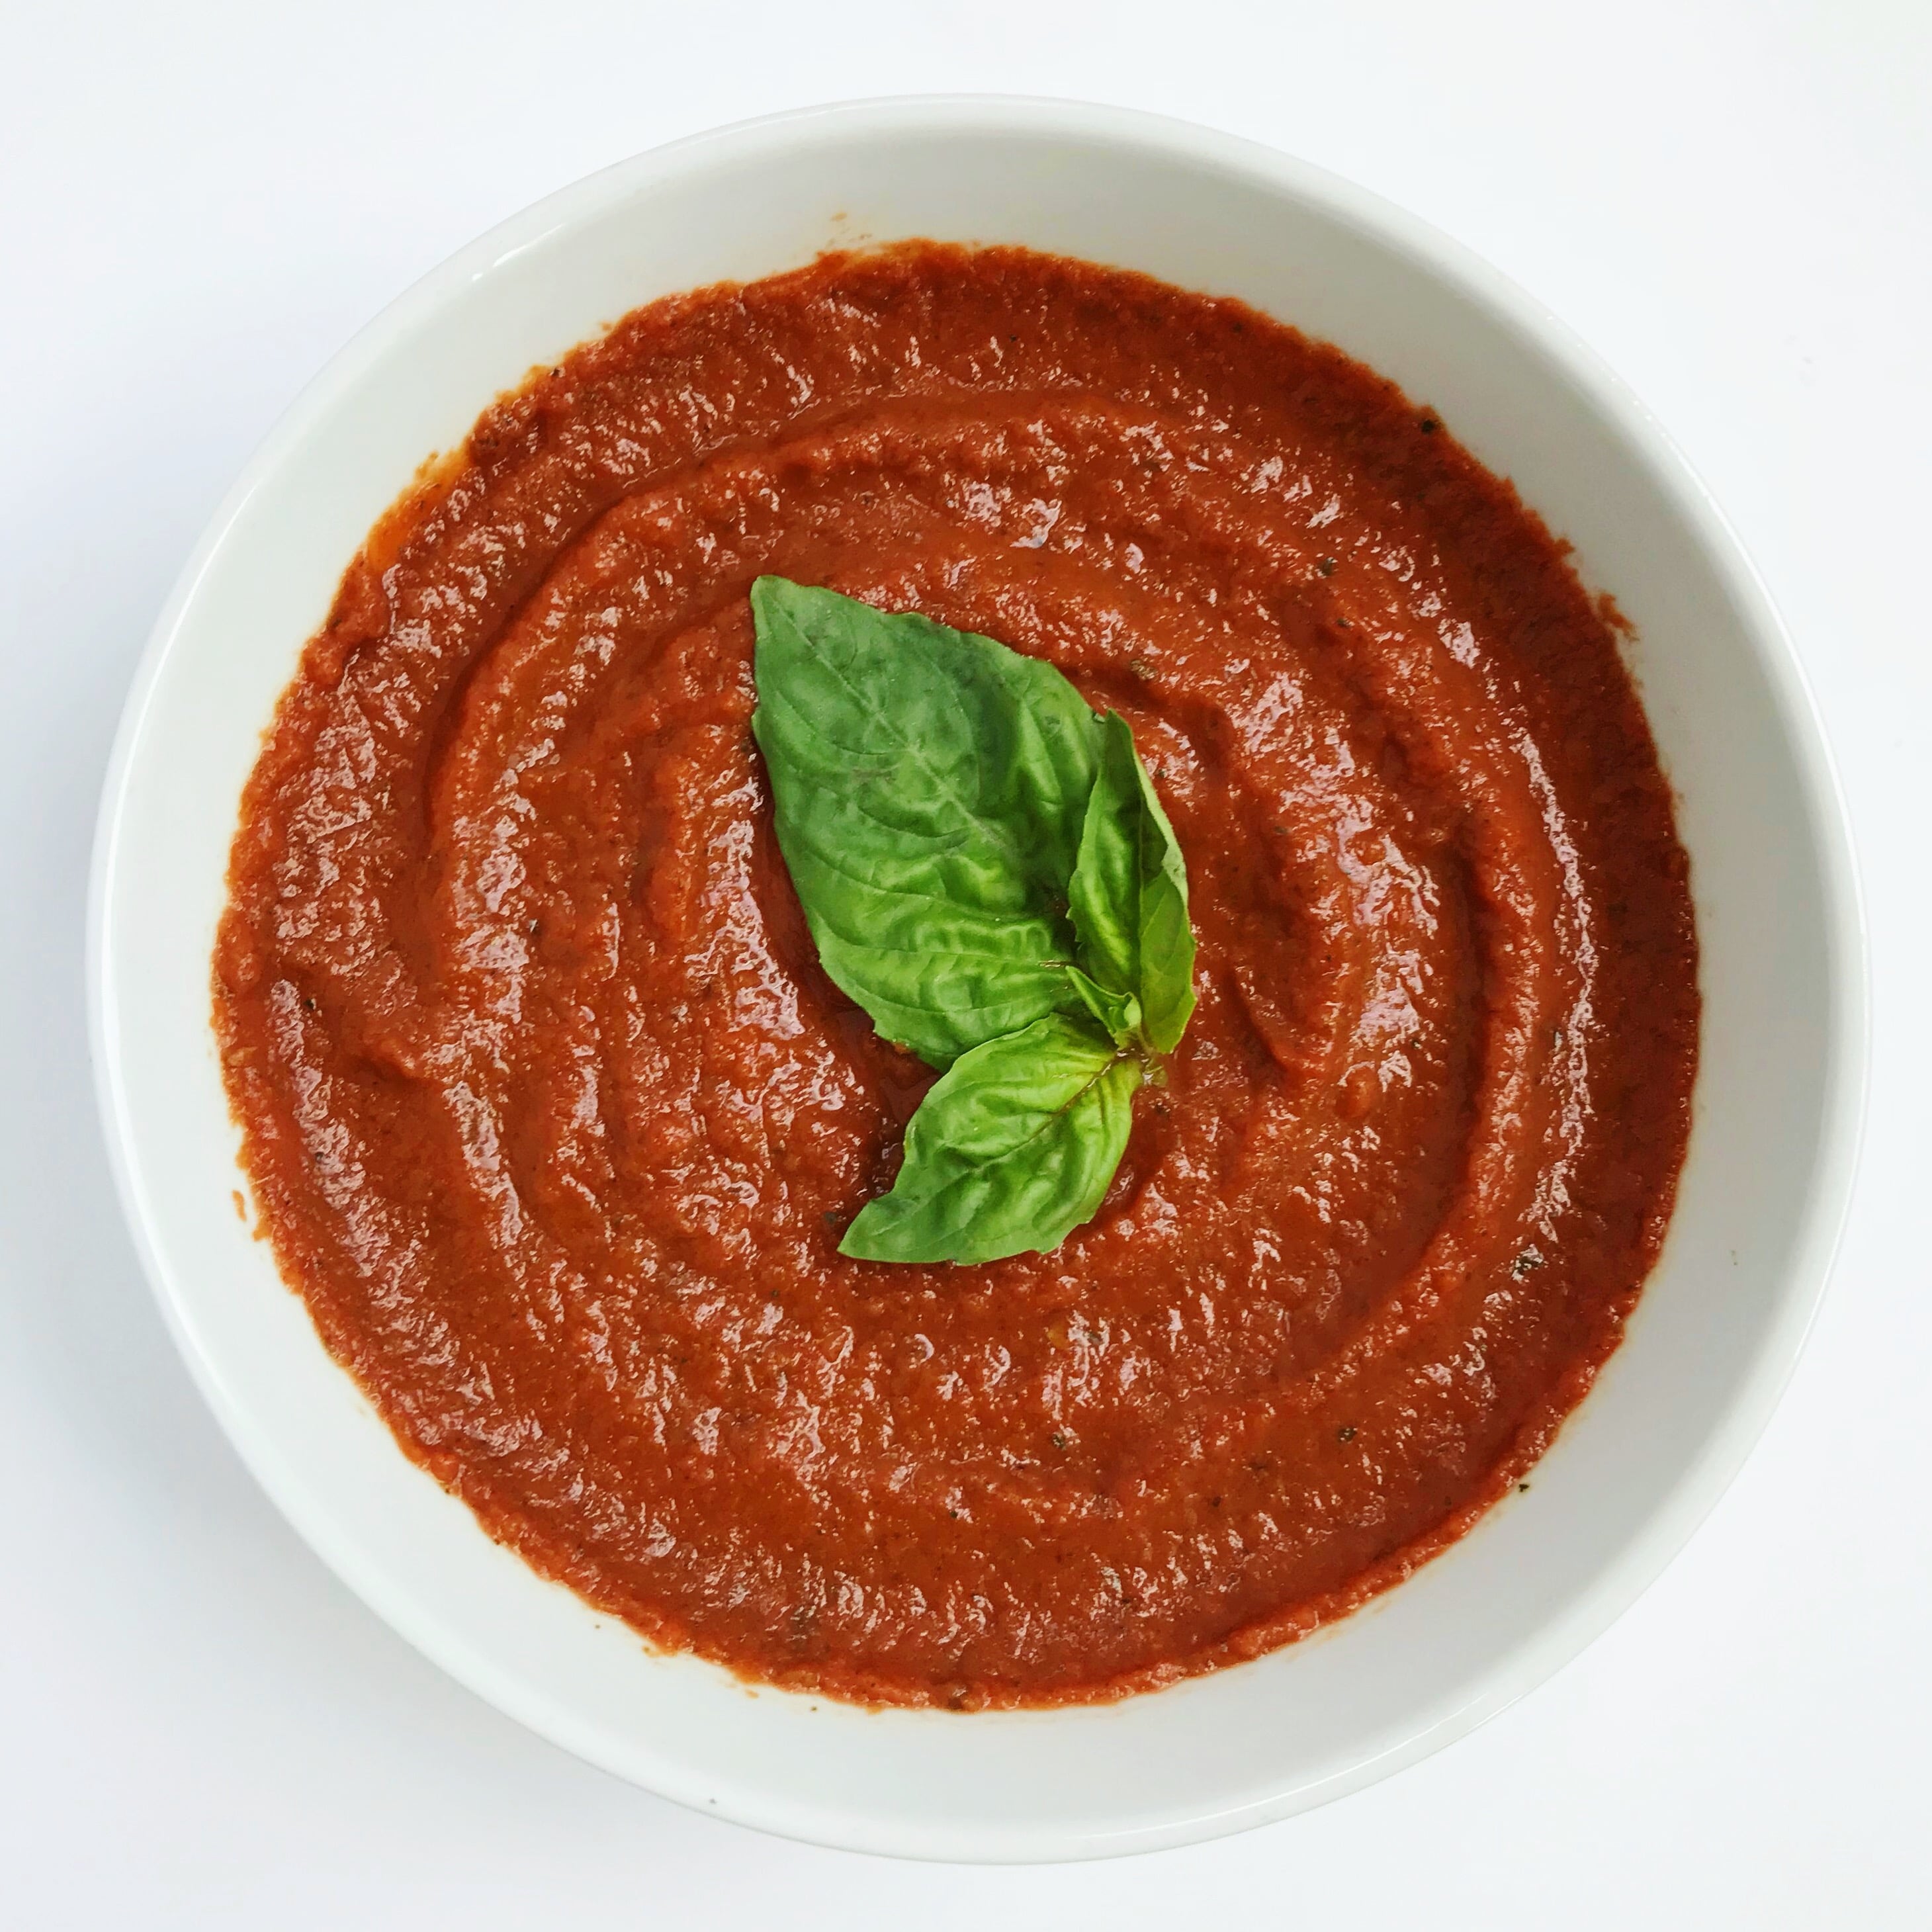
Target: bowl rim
(1814, 1246)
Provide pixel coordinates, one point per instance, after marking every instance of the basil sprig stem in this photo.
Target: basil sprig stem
(986, 870)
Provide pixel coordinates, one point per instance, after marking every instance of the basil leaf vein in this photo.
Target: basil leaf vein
(1011, 1150)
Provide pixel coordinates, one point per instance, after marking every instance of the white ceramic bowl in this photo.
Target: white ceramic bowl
(1778, 1094)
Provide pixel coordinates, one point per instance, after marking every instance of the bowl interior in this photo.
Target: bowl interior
(1762, 1193)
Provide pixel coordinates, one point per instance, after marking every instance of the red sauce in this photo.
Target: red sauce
(554, 1121)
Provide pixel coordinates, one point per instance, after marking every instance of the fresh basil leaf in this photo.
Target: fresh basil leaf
(1119, 1013)
(1010, 1151)
(930, 789)
(986, 870)
(1128, 894)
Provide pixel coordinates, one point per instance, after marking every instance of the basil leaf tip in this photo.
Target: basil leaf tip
(986, 870)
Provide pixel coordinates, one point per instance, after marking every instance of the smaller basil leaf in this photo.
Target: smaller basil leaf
(1129, 893)
(1119, 1013)
(1010, 1151)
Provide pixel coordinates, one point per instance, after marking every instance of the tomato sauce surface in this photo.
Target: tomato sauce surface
(555, 1122)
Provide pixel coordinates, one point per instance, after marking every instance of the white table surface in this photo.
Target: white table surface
(200, 201)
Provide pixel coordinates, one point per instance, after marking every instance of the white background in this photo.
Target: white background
(200, 201)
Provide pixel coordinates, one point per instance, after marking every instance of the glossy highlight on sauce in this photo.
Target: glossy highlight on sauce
(555, 1122)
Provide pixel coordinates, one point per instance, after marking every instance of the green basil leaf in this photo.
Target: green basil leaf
(930, 788)
(1010, 1151)
(1128, 894)
(1119, 1013)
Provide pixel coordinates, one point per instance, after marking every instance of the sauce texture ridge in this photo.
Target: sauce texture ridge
(555, 1122)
